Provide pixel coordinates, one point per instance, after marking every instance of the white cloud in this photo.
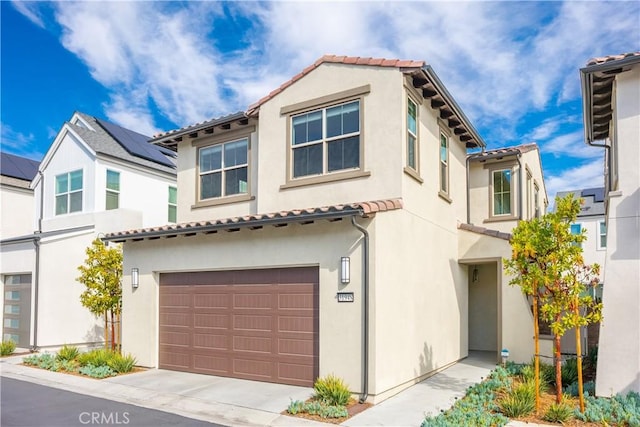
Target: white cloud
(18, 143)
(586, 175)
(30, 10)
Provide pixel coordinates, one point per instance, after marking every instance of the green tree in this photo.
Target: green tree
(101, 274)
(547, 264)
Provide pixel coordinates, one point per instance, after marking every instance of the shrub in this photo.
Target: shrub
(99, 357)
(558, 413)
(570, 371)
(67, 353)
(44, 361)
(316, 407)
(7, 347)
(99, 372)
(547, 374)
(514, 368)
(122, 364)
(589, 389)
(520, 401)
(618, 410)
(68, 365)
(31, 360)
(332, 391)
(295, 407)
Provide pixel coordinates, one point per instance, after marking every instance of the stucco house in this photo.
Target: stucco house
(611, 106)
(321, 232)
(95, 178)
(16, 218)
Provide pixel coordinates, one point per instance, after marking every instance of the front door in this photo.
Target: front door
(16, 319)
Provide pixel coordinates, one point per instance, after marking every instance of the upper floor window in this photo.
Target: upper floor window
(501, 184)
(412, 135)
(536, 200)
(173, 204)
(576, 229)
(69, 192)
(602, 235)
(444, 162)
(326, 140)
(224, 169)
(113, 190)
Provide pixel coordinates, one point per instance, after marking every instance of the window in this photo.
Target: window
(529, 190)
(326, 140)
(11, 323)
(412, 135)
(602, 235)
(12, 295)
(113, 189)
(444, 162)
(173, 204)
(501, 181)
(12, 337)
(69, 192)
(576, 229)
(536, 200)
(11, 309)
(224, 169)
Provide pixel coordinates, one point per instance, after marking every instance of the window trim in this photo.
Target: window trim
(109, 190)
(446, 194)
(505, 217)
(209, 141)
(68, 193)
(599, 246)
(322, 103)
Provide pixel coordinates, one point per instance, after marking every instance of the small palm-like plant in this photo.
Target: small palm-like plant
(332, 391)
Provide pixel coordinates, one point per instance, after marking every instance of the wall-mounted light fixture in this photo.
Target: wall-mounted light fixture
(474, 274)
(345, 270)
(135, 278)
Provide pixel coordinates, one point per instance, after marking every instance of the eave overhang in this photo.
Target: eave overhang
(171, 138)
(258, 221)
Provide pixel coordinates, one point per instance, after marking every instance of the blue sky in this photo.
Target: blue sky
(155, 66)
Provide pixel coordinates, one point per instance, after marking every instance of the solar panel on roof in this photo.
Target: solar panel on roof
(135, 143)
(167, 152)
(18, 167)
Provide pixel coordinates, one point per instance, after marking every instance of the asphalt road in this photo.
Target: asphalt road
(25, 404)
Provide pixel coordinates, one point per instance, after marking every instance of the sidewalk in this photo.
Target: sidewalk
(244, 403)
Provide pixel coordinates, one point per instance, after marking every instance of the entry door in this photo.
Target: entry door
(16, 319)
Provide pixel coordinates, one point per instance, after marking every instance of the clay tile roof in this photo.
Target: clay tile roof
(364, 209)
(485, 231)
(334, 59)
(609, 58)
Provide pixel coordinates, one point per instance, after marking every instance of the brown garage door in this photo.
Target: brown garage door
(252, 324)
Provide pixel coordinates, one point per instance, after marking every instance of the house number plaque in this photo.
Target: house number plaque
(345, 297)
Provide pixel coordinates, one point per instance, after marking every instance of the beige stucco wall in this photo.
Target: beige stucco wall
(320, 244)
(515, 320)
(420, 294)
(480, 196)
(619, 347)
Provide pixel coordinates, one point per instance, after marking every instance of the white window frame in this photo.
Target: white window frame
(443, 164)
(413, 135)
(599, 244)
(67, 194)
(223, 170)
(325, 141)
(111, 190)
(492, 192)
(172, 205)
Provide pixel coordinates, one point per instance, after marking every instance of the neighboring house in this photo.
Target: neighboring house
(591, 220)
(321, 234)
(611, 104)
(16, 218)
(96, 177)
(506, 185)
(16, 197)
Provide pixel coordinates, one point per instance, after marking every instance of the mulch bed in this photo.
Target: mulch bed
(353, 408)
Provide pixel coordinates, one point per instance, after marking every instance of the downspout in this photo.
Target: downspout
(36, 279)
(608, 154)
(365, 316)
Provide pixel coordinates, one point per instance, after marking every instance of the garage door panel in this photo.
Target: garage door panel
(207, 320)
(256, 324)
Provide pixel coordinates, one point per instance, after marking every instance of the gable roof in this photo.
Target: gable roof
(593, 200)
(424, 79)
(257, 221)
(597, 88)
(18, 167)
(104, 142)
